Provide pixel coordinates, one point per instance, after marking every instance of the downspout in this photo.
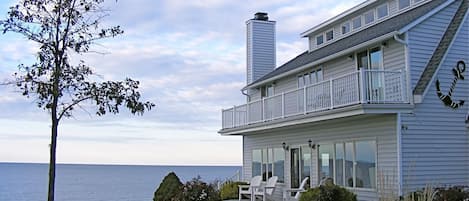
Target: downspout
(399, 40)
(247, 95)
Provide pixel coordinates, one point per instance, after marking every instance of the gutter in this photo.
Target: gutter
(325, 59)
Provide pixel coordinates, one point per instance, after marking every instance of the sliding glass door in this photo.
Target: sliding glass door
(372, 61)
(300, 165)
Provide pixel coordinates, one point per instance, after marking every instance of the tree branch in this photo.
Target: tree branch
(76, 102)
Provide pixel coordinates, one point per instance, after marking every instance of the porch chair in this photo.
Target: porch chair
(267, 190)
(249, 189)
(287, 192)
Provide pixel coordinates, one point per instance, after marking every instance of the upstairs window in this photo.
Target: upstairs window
(307, 79)
(404, 4)
(346, 28)
(267, 91)
(369, 17)
(330, 35)
(357, 22)
(382, 11)
(319, 39)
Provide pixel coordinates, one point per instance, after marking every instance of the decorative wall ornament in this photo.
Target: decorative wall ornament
(458, 73)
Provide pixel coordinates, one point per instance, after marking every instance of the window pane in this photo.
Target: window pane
(346, 28)
(305, 162)
(329, 35)
(295, 167)
(279, 161)
(382, 11)
(319, 40)
(376, 58)
(366, 164)
(349, 164)
(357, 22)
(362, 60)
(269, 163)
(301, 82)
(326, 161)
(369, 17)
(320, 77)
(256, 162)
(307, 79)
(270, 90)
(404, 4)
(313, 77)
(339, 164)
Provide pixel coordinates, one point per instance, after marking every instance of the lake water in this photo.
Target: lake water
(28, 182)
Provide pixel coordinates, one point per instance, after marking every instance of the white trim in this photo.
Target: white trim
(446, 54)
(424, 17)
(399, 153)
(324, 59)
(337, 17)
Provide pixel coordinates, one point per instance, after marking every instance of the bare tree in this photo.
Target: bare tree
(63, 28)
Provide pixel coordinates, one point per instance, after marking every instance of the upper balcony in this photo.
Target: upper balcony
(364, 87)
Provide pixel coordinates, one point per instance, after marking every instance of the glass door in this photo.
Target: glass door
(300, 165)
(372, 61)
(295, 167)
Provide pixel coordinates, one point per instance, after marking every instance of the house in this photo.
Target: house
(376, 102)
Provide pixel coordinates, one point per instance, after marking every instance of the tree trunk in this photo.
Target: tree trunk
(53, 146)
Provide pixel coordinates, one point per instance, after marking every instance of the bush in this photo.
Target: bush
(169, 188)
(455, 193)
(328, 192)
(197, 190)
(230, 190)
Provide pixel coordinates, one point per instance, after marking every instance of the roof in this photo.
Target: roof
(391, 25)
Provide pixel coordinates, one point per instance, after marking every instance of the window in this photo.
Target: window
(404, 4)
(330, 35)
(382, 11)
(310, 78)
(267, 90)
(300, 165)
(369, 17)
(268, 163)
(350, 164)
(319, 39)
(416, 1)
(365, 164)
(325, 162)
(357, 22)
(346, 28)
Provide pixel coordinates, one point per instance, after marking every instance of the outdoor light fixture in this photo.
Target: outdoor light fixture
(285, 146)
(311, 145)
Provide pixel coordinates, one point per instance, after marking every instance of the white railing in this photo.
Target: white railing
(360, 87)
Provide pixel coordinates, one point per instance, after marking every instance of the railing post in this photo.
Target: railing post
(263, 109)
(222, 118)
(304, 99)
(247, 114)
(362, 85)
(283, 105)
(403, 88)
(234, 116)
(330, 93)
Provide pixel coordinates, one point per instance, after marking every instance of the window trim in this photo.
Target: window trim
(387, 11)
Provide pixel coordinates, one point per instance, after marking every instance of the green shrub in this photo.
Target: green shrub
(455, 193)
(328, 192)
(169, 188)
(197, 190)
(230, 190)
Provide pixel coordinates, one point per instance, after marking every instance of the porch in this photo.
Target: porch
(365, 87)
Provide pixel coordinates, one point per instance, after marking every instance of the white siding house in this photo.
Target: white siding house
(375, 103)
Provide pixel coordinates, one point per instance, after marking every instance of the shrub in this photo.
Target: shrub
(328, 192)
(197, 190)
(169, 188)
(230, 190)
(455, 193)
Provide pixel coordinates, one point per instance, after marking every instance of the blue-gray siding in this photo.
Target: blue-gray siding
(435, 139)
(260, 49)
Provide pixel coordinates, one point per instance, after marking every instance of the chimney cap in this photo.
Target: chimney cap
(261, 16)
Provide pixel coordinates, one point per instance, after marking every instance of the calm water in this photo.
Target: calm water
(28, 182)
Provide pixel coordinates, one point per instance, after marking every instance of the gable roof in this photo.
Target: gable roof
(390, 25)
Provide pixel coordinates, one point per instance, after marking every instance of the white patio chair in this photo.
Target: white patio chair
(267, 189)
(249, 189)
(287, 192)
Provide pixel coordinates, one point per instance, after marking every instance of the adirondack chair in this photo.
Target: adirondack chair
(287, 192)
(267, 189)
(249, 189)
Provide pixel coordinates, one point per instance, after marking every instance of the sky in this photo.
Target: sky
(189, 57)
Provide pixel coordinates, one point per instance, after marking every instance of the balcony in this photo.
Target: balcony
(360, 87)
